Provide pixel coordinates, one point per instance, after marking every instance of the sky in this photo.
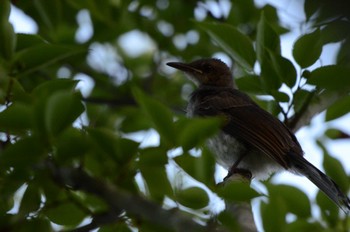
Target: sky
(291, 13)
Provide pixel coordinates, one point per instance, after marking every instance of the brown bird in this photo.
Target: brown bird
(252, 142)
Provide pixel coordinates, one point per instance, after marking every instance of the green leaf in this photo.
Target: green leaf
(338, 109)
(160, 115)
(7, 33)
(269, 77)
(25, 41)
(120, 227)
(31, 200)
(229, 221)
(294, 199)
(152, 157)
(72, 143)
(336, 171)
(299, 99)
(308, 48)
(193, 197)
(331, 77)
(272, 17)
(250, 83)
(17, 118)
(284, 69)
(65, 214)
(157, 182)
(335, 31)
(18, 92)
(303, 225)
(42, 55)
(134, 120)
(280, 96)
(194, 132)
(63, 108)
(329, 210)
(236, 191)
(94, 203)
(34, 224)
(343, 56)
(152, 163)
(267, 40)
(275, 69)
(5, 11)
(47, 88)
(201, 168)
(232, 41)
(273, 215)
(23, 153)
(334, 133)
(310, 8)
(109, 150)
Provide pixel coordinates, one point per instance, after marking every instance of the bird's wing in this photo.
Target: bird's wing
(250, 124)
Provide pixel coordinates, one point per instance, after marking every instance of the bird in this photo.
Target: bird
(251, 142)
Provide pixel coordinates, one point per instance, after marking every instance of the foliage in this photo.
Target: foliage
(70, 158)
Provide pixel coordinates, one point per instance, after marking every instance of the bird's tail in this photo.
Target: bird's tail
(323, 182)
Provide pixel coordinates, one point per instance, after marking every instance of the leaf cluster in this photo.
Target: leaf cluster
(65, 152)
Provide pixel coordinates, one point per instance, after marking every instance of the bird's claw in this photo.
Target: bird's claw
(246, 174)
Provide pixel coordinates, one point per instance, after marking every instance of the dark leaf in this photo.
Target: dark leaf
(343, 56)
(311, 7)
(250, 83)
(303, 225)
(35, 224)
(236, 191)
(269, 77)
(28, 40)
(336, 171)
(17, 118)
(152, 163)
(65, 214)
(329, 210)
(229, 221)
(193, 197)
(280, 96)
(284, 69)
(308, 48)
(232, 41)
(39, 56)
(157, 182)
(63, 108)
(201, 168)
(335, 31)
(47, 88)
(273, 214)
(300, 98)
(338, 109)
(23, 153)
(195, 131)
(294, 199)
(160, 115)
(332, 77)
(71, 144)
(334, 133)
(267, 40)
(31, 200)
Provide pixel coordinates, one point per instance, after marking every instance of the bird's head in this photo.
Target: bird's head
(209, 72)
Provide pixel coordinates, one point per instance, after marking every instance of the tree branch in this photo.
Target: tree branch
(241, 211)
(320, 103)
(119, 200)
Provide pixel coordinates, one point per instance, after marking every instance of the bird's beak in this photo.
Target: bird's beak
(185, 67)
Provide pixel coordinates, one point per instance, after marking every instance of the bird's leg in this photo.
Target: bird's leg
(233, 170)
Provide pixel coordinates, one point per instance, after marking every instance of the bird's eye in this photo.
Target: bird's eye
(207, 68)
